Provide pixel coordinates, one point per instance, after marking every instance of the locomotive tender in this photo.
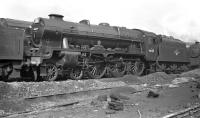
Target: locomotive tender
(54, 47)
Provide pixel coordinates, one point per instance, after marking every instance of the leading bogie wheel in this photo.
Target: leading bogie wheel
(52, 72)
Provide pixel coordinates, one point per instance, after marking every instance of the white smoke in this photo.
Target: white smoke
(185, 27)
(178, 18)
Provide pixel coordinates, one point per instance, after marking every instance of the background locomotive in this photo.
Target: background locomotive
(54, 47)
(14, 39)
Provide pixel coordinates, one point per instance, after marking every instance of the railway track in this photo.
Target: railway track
(62, 100)
(192, 112)
(59, 100)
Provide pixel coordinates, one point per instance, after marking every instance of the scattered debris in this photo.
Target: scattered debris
(102, 97)
(173, 85)
(116, 105)
(115, 102)
(152, 94)
(188, 112)
(1, 112)
(111, 102)
(140, 116)
(198, 85)
(182, 80)
(109, 111)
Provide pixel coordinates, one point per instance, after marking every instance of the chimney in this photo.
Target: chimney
(56, 16)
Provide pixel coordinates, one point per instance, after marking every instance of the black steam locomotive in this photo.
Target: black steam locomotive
(52, 47)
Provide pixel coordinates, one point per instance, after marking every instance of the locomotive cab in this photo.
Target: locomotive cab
(151, 42)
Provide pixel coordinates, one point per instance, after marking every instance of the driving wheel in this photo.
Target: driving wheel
(118, 69)
(76, 73)
(52, 72)
(96, 70)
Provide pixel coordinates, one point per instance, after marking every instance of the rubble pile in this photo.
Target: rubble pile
(193, 73)
(116, 102)
(113, 101)
(34, 89)
(110, 102)
(156, 78)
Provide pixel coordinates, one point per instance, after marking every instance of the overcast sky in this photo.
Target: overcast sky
(179, 18)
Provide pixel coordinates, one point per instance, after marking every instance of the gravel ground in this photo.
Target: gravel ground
(156, 78)
(33, 89)
(16, 90)
(133, 105)
(174, 96)
(131, 79)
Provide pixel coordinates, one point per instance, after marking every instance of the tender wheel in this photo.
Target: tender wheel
(96, 71)
(118, 69)
(76, 74)
(52, 72)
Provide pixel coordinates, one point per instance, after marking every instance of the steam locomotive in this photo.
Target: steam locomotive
(51, 47)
